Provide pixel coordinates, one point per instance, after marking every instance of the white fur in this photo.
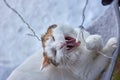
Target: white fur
(84, 63)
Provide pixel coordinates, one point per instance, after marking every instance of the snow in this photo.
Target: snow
(16, 46)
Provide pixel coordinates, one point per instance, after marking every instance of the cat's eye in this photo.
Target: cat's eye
(53, 38)
(54, 52)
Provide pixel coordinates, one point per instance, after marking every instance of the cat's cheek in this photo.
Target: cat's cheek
(57, 45)
(73, 58)
(59, 56)
(49, 52)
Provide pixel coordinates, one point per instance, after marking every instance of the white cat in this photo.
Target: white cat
(66, 59)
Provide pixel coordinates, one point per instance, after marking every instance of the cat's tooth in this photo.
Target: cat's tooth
(71, 41)
(67, 48)
(70, 44)
(66, 40)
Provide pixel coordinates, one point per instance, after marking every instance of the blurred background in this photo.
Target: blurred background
(16, 46)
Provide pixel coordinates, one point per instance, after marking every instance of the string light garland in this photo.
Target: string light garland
(28, 26)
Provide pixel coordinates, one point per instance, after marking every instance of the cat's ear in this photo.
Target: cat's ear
(45, 62)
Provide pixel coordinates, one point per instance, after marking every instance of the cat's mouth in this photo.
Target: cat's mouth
(70, 43)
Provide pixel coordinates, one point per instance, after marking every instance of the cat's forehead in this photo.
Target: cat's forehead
(48, 34)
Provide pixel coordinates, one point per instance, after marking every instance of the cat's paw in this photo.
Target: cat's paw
(94, 42)
(112, 42)
(110, 46)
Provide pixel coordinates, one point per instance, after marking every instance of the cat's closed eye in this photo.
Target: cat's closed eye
(53, 38)
(54, 52)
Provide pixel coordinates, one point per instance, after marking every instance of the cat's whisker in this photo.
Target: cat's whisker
(70, 65)
(62, 75)
(64, 61)
(67, 48)
(67, 64)
(105, 55)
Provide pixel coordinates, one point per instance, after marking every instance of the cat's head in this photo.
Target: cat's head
(57, 51)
